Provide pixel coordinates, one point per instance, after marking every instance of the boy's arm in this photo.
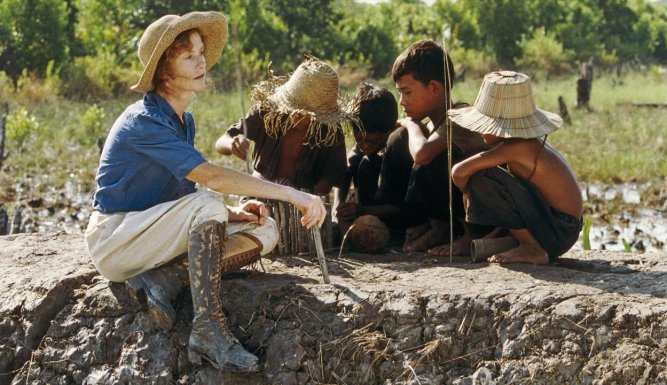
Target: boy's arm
(498, 155)
(234, 141)
(233, 145)
(323, 187)
(422, 148)
(341, 193)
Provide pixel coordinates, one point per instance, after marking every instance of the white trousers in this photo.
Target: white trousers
(123, 245)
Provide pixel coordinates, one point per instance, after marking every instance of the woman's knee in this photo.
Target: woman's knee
(208, 206)
(268, 235)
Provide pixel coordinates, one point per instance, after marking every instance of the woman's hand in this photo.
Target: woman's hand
(250, 211)
(311, 207)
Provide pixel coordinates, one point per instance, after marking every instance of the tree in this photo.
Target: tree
(543, 52)
(579, 31)
(33, 33)
(309, 25)
(502, 24)
(108, 27)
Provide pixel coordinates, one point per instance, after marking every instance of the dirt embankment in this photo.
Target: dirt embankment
(593, 318)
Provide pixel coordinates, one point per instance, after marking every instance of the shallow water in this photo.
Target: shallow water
(627, 212)
(625, 217)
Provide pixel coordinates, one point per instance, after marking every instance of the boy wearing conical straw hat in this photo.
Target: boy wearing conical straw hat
(297, 127)
(521, 184)
(415, 173)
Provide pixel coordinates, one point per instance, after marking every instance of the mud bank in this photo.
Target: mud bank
(597, 317)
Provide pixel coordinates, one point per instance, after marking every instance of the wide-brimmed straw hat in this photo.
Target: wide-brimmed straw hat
(311, 90)
(505, 107)
(161, 33)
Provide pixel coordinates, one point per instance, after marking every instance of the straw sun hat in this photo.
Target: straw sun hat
(161, 33)
(311, 90)
(505, 107)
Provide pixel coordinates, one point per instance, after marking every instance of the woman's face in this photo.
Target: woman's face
(187, 70)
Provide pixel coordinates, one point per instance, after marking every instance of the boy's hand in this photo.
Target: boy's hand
(410, 123)
(251, 211)
(240, 146)
(347, 211)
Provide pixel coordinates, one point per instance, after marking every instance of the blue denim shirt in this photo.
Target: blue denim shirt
(146, 157)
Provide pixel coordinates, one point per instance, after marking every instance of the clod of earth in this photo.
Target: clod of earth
(596, 317)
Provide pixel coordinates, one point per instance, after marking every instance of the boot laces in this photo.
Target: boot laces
(216, 275)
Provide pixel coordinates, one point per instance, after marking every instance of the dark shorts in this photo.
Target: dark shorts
(499, 198)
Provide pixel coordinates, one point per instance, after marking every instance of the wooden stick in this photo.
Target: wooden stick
(3, 130)
(322, 259)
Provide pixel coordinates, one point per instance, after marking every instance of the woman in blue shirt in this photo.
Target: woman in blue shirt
(147, 208)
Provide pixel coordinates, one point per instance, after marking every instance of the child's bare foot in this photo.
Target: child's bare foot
(460, 248)
(436, 234)
(533, 253)
(414, 232)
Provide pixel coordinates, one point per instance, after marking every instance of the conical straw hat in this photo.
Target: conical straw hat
(505, 107)
(161, 33)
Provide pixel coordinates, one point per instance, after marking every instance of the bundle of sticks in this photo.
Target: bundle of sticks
(294, 238)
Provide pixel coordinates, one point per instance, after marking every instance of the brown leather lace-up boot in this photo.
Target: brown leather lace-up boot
(210, 338)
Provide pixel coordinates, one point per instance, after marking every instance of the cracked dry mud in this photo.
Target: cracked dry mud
(595, 317)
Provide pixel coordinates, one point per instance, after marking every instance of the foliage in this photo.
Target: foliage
(627, 247)
(543, 51)
(97, 77)
(368, 39)
(503, 22)
(92, 43)
(32, 33)
(586, 234)
(20, 125)
(91, 126)
(108, 27)
(473, 62)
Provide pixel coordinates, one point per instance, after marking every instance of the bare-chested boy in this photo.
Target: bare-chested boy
(521, 184)
(296, 125)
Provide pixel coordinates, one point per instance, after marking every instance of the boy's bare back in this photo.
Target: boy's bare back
(551, 174)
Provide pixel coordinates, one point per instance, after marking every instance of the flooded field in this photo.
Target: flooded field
(628, 216)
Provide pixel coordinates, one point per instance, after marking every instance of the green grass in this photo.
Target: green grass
(586, 233)
(616, 142)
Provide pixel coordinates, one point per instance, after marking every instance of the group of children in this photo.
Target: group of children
(505, 178)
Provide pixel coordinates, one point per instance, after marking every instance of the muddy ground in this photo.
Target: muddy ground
(596, 317)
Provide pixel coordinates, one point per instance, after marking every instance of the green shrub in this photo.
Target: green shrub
(6, 87)
(21, 124)
(544, 52)
(30, 88)
(97, 77)
(91, 126)
(476, 63)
